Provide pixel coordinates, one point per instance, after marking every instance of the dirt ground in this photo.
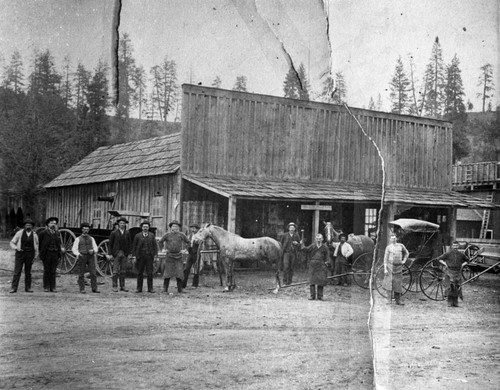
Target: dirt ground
(247, 339)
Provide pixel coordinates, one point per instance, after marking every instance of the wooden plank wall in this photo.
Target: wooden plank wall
(75, 204)
(240, 134)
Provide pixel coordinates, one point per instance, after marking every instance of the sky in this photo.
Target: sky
(261, 38)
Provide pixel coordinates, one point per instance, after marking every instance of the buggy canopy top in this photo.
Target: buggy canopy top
(415, 225)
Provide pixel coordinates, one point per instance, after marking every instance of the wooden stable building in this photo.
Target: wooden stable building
(252, 163)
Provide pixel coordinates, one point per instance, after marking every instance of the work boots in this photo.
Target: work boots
(397, 296)
(122, 284)
(312, 289)
(115, 283)
(166, 282)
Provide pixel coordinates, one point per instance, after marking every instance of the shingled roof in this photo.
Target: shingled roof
(150, 157)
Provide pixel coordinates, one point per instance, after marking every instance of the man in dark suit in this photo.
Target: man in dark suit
(119, 245)
(145, 248)
(289, 243)
(51, 249)
(192, 259)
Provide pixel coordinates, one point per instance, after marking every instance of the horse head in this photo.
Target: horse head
(331, 235)
(202, 234)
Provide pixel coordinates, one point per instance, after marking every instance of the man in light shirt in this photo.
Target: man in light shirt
(85, 249)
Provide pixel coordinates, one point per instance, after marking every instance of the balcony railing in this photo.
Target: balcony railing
(476, 174)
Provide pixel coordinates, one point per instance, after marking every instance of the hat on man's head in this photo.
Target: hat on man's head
(342, 235)
(145, 223)
(174, 222)
(28, 221)
(122, 219)
(291, 224)
(48, 220)
(195, 225)
(84, 224)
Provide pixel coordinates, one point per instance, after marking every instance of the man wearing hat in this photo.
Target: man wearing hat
(25, 243)
(85, 250)
(341, 254)
(120, 244)
(144, 249)
(289, 244)
(51, 249)
(317, 271)
(174, 244)
(193, 258)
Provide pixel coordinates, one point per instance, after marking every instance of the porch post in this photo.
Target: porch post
(452, 223)
(231, 214)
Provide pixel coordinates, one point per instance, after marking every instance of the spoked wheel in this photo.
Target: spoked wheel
(432, 280)
(104, 259)
(469, 272)
(471, 252)
(383, 288)
(361, 269)
(67, 260)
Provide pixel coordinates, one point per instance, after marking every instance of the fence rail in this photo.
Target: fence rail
(482, 173)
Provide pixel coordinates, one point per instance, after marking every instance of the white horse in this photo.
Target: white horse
(234, 248)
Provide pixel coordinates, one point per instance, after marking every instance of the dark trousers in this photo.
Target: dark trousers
(145, 262)
(166, 283)
(23, 258)
(288, 265)
(314, 295)
(187, 270)
(49, 270)
(84, 262)
(341, 267)
(119, 264)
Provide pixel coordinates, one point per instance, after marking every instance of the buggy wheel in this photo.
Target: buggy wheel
(432, 280)
(380, 276)
(67, 261)
(104, 259)
(469, 272)
(471, 251)
(361, 270)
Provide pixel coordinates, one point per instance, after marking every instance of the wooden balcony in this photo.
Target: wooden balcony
(470, 176)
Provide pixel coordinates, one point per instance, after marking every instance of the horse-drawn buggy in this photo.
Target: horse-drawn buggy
(422, 272)
(104, 260)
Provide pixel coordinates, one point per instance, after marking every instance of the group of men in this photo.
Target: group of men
(144, 247)
(47, 245)
(320, 260)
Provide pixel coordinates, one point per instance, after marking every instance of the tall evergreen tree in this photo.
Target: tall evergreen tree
(486, 84)
(98, 102)
(126, 68)
(340, 95)
(44, 80)
(434, 83)
(371, 104)
(304, 86)
(291, 85)
(66, 91)
(454, 92)
(165, 87)
(413, 104)
(81, 81)
(399, 89)
(240, 84)
(139, 80)
(13, 76)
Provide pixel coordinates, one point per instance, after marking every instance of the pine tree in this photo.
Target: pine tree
(486, 82)
(434, 83)
(240, 84)
(371, 104)
(291, 85)
(413, 105)
(217, 82)
(44, 79)
(14, 73)
(126, 68)
(66, 82)
(340, 96)
(454, 92)
(81, 80)
(399, 87)
(139, 81)
(165, 87)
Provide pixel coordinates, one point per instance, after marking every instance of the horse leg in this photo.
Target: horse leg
(229, 274)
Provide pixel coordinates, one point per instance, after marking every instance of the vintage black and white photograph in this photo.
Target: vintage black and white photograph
(249, 194)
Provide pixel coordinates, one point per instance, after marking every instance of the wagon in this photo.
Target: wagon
(104, 260)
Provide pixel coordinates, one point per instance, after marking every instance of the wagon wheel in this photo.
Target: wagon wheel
(469, 272)
(432, 280)
(361, 269)
(104, 259)
(67, 261)
(379, 280)
(471, 251)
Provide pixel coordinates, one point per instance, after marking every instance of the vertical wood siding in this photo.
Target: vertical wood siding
(75, 204)
(238, 134)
